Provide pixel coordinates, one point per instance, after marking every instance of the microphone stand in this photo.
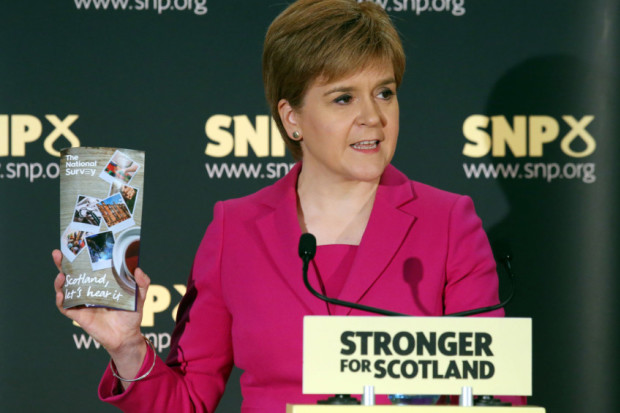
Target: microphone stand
(307, 250)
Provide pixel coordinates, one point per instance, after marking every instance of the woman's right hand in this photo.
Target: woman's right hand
(117, 331)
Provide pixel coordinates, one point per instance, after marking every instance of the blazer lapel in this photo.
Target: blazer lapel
(387, 228)
(280, 232)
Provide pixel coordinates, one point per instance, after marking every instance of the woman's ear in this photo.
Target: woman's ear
(289, 120)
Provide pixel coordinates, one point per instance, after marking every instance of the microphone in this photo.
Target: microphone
(307, 247)
(307, 251)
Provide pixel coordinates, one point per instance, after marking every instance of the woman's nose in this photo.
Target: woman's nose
(370, 113)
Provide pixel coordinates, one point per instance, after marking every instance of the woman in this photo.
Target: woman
(331, 72)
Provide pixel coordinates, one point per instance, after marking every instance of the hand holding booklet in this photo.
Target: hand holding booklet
(100, 217)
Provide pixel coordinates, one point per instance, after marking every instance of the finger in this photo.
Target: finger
(142, 282)
(57, 256)
(58, 282)
(59, 300)
(142, 279)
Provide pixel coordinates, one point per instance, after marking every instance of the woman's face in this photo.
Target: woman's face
(349, 127)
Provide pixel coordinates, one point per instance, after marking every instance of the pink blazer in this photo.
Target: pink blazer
(424, 252)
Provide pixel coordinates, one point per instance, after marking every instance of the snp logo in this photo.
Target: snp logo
(527, 136)
(263, 137)
(16, 131)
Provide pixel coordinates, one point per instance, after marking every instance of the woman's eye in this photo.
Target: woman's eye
(386, 94)
(343, 99)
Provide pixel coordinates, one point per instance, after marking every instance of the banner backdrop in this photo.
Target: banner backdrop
(513, 102)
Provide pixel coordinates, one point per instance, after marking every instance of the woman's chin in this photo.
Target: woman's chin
(368, 173)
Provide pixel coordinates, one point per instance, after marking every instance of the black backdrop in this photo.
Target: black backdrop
(75, 71)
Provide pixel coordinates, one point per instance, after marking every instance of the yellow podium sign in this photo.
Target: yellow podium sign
(417, 355)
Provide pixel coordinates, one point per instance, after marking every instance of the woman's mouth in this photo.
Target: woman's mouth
(365, 145)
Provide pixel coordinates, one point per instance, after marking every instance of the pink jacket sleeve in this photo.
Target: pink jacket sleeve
(200, 359)
(471, 280)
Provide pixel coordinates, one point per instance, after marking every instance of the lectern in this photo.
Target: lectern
(417, 356)
(410, 409)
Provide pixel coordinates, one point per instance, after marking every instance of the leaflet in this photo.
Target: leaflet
(101, 191)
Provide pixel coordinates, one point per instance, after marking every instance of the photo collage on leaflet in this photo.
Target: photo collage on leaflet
(115, 211)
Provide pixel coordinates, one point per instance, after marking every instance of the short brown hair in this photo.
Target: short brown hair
(324, 38)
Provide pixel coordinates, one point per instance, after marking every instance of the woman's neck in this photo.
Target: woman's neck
(335, 212)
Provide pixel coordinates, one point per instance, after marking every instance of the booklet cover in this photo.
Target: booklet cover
(100, 218)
